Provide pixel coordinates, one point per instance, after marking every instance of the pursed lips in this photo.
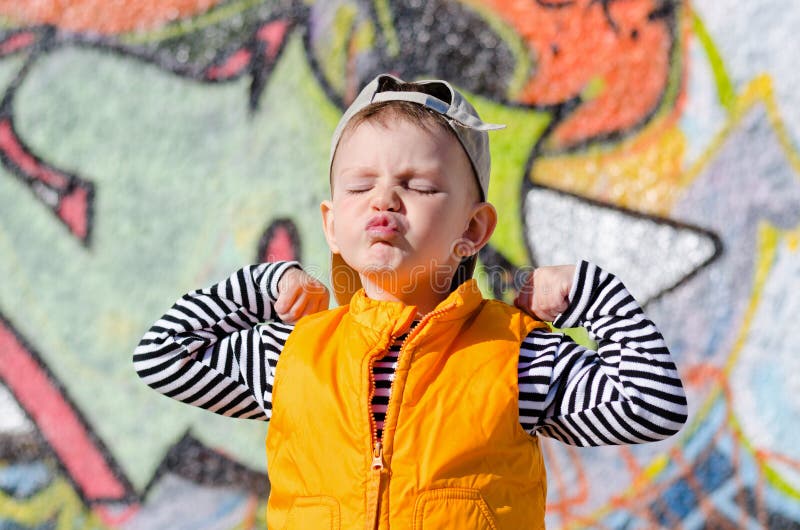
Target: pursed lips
(382, 226)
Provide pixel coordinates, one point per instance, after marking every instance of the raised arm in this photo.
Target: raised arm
(213, 350)
(628, 391)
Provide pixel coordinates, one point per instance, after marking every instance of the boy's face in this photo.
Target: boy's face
(402, 197)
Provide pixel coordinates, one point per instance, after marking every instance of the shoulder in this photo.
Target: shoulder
(321, 318)
(511, 317)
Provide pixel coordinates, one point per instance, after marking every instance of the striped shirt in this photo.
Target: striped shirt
(383, 371)
(218, 347)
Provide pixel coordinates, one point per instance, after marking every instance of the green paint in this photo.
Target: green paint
(386, 23)
(779, 483)
(186, 181)
(55, 506)
(675, 73)
(334, 63)
(8, 23)
(9, 68)
(510, 149)
(364, 36)
(580, 336)
(593, 89)
(773, 477)
(725, 89)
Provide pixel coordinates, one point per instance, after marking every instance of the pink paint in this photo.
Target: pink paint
(280, 247)
(273, 34)
(56, 420)
(10, 145)
(232, 66)
(17, 42)
(73, 209)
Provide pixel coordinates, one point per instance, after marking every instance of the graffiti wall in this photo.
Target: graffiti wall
(150, 148)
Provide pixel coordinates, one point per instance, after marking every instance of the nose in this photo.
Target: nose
(384, 197)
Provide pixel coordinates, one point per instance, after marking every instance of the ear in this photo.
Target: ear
(481, 225)
(326, 208)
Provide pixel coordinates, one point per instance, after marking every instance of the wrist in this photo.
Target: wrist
(273, 276)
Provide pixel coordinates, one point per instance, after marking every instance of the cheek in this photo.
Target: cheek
(443, 224)
(345, 219)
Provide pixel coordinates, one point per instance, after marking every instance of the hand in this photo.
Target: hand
(545, 293)
(299, 294)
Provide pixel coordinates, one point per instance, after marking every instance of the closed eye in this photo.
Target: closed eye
(420, 186)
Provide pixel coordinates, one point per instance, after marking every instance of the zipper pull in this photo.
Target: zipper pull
(377, 456)
(374, 490)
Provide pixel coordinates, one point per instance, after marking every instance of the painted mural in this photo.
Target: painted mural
(149, 148)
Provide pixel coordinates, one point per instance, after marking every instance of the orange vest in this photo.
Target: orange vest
(453, 454)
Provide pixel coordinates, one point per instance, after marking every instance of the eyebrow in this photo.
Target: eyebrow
(369, 172)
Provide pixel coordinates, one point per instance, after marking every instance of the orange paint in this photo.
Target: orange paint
(626, 55)
(642, 172)
(102, 16)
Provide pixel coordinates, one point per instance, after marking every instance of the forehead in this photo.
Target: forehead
(398, 142)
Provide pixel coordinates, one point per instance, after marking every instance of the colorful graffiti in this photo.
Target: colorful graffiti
(149, 148)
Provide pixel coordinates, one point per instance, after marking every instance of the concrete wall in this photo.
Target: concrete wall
(150, 148)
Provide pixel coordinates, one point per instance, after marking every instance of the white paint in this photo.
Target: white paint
(765, 382)
(755, 38)
(13, 420)
(648, 255)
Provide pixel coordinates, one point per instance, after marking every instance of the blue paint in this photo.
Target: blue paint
(24, 480)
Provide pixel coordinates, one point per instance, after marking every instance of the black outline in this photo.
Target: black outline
(294, 237)
(259, 69)
(528, 186)
(130, 495)
(210, 468)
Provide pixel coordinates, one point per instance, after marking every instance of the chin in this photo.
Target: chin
(375, 270)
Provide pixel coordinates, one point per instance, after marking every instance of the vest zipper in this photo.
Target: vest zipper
(378, 468)
(376, 476)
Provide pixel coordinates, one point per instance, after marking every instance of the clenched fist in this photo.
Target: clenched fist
(299, 294)
(545, 293)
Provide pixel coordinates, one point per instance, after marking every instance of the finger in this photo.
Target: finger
(523, 301)
(317, 288)
(299, 306)
(292, 314)
(545, 306)
(286, 300)
(525, 292)
(548, 299)
(543, 303)
(314, 305)
(538, 312)
(559, 300)
(529, 306)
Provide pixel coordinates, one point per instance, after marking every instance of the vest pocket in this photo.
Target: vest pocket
(313, 512)
(452, 508)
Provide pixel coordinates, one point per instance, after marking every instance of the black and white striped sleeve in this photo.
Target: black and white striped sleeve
(628, 391)
(214, 348)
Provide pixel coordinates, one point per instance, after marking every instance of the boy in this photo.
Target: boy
(415, 403)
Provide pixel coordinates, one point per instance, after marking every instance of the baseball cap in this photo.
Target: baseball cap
(439, 96)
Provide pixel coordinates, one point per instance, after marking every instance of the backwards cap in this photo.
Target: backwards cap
(463, 119)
